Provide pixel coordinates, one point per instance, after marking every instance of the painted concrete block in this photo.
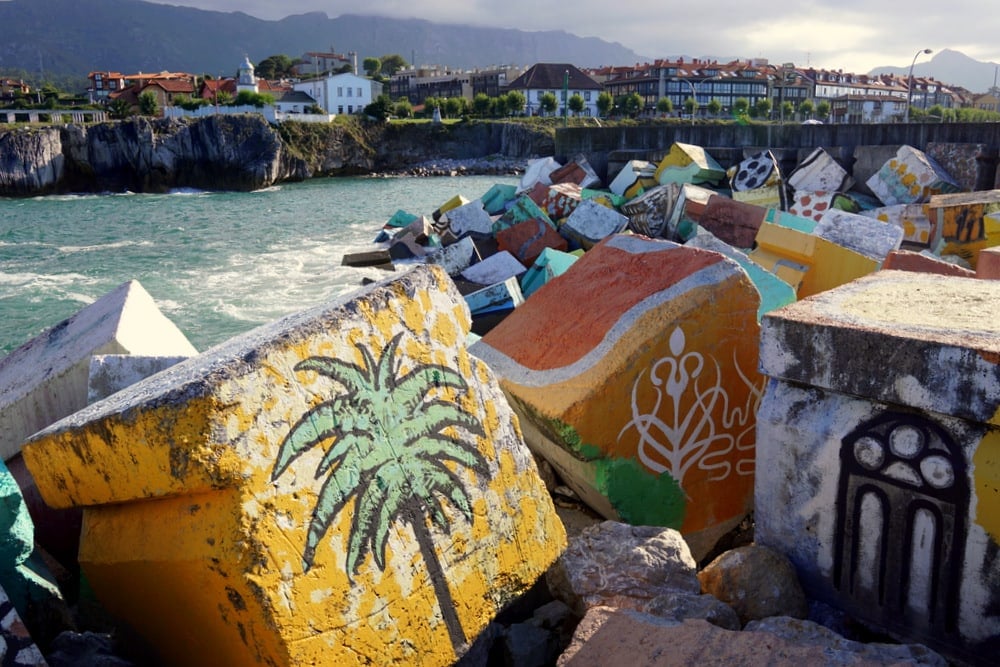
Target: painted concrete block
(450, 205)
(807, 262)
(496, 268)
(988, 266)
(550, 264)
(918, 231)
(503, 296)
(19, 648)
(113, 372)
(456, 257)
(558, 200)
(406, 245)
(819, 172)
(645, 402)
(965, 222)
(604, 198)
(965, 163)
(526, 240)
(791, 221)
(879, 453)
(649, 213)
(522, 209)
(398, 220)
(911, 177)
(734, 222)
(867, 236)
(808, 204)
(537, 171)
(497, 197)
(925, 262)
(577, 172)
(773, 291)
(635, 173)
(691, 205)
(687, 163)
(470, 219)
(46, 378)
(590, 223)
(756, 171)
(344, 486)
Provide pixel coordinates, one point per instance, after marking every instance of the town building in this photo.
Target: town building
(560, 79)
(11, 89)
(679, 80)
(341, 93)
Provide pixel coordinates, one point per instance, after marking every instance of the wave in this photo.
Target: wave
(70, 249)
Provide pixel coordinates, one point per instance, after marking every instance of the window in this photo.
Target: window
(586, 95)
(349, 91)
(350, 109)
(340, 109)
(359, 92)
(340, 91)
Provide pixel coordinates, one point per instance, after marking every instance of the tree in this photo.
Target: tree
(763, 107)
(714, 107)
(740, 106)
(629, 105)
(548, 103)
(806, 109)
(454, 107)
(250, 98)
(431, 103)
(515, 102)
(823, 110)
(690, 106)
(148, 105)
(664, 106)
(605, 102)
(577, 104)
(223, 98)
(936, 112)
(275, 67)
(119, 109)
(787, 110)
(392, 63)
(372, 66)
(380, 108)
(402, 108)
(481, 104)
(394, 453)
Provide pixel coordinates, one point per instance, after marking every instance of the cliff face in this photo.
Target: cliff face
(234, 152)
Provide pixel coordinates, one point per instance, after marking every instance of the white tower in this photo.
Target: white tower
(247, 79)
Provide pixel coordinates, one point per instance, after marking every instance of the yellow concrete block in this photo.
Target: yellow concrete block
(808, 263)
(345, 486)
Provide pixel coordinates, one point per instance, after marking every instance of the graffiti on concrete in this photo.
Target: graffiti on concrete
(900, 530)
(682, 427)
(391, 451)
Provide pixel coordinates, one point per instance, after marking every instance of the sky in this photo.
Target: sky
(853, 35)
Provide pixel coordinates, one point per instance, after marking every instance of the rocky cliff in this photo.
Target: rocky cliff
(235, 152)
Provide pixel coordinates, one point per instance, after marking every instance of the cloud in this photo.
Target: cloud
(853, 35)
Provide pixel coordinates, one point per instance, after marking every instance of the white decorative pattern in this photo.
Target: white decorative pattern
(673, 441)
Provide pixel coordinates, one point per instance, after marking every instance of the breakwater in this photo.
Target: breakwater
(608, 148)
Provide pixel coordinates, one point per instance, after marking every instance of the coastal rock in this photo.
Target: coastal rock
(757, 582)
(31, 162)
(622, 565)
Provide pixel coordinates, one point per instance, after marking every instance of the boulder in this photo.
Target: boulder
(756, 582)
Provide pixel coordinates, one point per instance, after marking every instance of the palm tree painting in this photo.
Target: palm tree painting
(386, 447)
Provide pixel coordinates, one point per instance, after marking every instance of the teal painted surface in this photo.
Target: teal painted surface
(17, 533)
(401, 218)
(523, 208)
(550, 263)
(496, 198)
(790, 221)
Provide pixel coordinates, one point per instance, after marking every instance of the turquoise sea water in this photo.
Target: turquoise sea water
(216, 263)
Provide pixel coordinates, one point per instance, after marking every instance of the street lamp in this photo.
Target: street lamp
(909, 83)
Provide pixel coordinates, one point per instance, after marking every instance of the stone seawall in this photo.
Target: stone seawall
(608, 148)
(236, 152)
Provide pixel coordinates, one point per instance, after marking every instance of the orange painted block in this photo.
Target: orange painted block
(635, 374)
(346, 486)
(526, 240)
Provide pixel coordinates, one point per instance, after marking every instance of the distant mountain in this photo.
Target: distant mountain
(75, 37)
(953, 68)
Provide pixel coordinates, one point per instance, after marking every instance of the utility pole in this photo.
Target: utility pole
(566, 98)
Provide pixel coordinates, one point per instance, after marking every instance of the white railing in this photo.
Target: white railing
(270, 114)
(53, 115)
